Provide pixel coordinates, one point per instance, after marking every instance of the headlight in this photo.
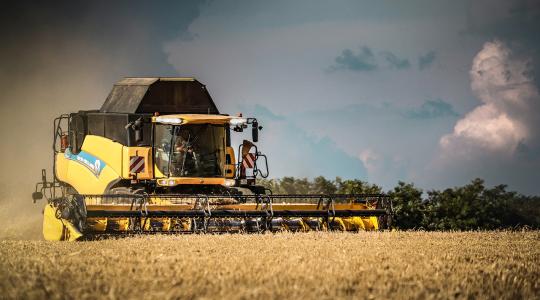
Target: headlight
(167, 182)
(229, 182)
(237, 121)
(168, 120)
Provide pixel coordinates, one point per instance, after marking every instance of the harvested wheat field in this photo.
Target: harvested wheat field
(285, 265)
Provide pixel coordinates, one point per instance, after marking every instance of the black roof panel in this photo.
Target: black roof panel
(163, 95)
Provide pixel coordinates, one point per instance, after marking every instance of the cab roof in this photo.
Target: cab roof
(165, 95)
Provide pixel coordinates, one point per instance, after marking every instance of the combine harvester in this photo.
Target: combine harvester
(157, 158)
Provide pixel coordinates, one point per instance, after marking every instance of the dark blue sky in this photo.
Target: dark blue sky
(431, 92)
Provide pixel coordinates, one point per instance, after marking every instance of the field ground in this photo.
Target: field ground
(500, 265)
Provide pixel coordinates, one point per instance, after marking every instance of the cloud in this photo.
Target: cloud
(369, 158)
(511, 20)
(395, 62)
(509, 113)
(431, 109)
(361, 62)
(498, 140)
(425, 61)
(514, 22)
(365, 60)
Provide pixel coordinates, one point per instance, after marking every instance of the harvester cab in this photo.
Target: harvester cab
(196, 149)
(158, 157)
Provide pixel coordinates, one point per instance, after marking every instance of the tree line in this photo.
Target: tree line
(469, 207)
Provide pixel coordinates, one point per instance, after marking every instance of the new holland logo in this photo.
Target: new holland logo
(92, 163)
(136, 164)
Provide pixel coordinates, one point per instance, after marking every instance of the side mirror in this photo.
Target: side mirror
(138, 127)
(37, 196)
(138, 135)
(255, 131)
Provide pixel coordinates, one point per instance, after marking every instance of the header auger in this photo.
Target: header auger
(157, 158)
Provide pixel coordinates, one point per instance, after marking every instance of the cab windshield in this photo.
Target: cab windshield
(191, 150)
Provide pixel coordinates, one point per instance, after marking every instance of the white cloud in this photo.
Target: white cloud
(498, 140)
(509, 113)
(370, 159)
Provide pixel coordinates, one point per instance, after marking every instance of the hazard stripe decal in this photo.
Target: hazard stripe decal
(136, 164)
(249, 161)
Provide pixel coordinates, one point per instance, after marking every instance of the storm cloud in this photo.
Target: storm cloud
(509, 113)
(503, 131)
(365, 60)
(395, 62)
(362, 61)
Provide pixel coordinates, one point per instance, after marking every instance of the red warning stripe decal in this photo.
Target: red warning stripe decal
(136, 164)
(249, 161)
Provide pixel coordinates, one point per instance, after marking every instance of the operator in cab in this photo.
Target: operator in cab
(185, 158)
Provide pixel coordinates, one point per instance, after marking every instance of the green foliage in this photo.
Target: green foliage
(469, 207)
(409, 209)
(473, 206)
(356, 186)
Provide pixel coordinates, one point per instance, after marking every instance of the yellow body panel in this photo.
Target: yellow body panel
(106, 150)
(230, 169)
(94, 169)
(113, 157)
(358, 223)
(157, 172)
(55, 229)
(83, 180)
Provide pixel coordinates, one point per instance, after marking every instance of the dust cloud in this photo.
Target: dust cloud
(60, 83)
(63, 57)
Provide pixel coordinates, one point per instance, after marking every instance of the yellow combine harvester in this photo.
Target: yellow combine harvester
(157, 158)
